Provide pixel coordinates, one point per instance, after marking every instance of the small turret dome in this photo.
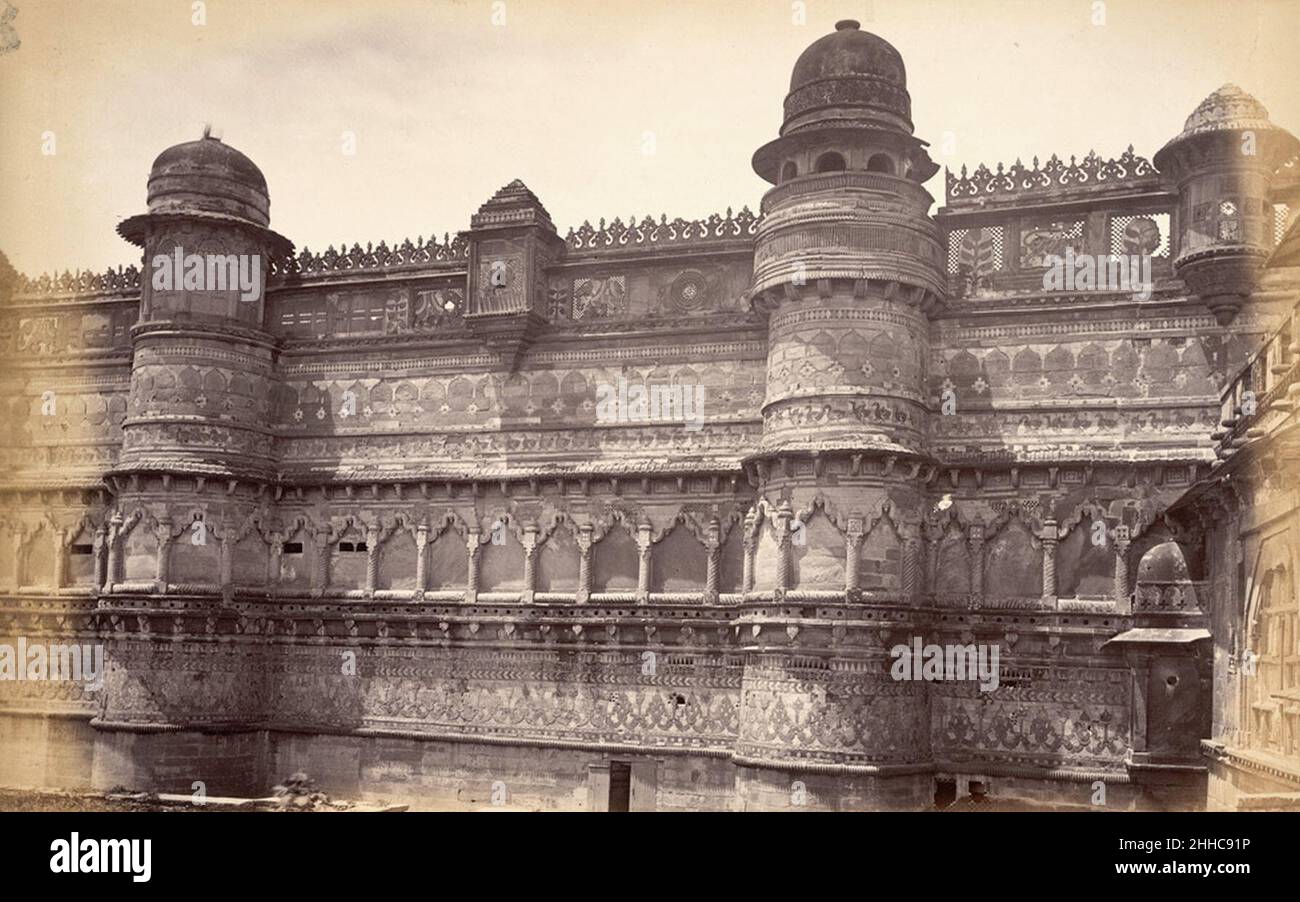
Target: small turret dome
(210, 180)
(208, 176)
(1227, 108)
(848, 75)
(1163, 563)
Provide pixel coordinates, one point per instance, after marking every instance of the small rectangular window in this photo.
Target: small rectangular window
(83, 549)
(293, 547)
(345, 546)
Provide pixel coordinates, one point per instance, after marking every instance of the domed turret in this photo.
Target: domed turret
(1223, 163)
(208, 256)
(846, 237)
(848, 108)
(847, 266)
(1164, 581)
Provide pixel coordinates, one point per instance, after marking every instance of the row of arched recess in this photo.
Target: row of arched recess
(833, 161)
(341, 559)
(1009, 563)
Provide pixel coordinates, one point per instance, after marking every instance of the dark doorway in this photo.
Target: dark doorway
(620, 785)
(945, 793)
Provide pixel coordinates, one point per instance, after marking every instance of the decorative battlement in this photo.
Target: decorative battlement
(374, 258)
(647, 232)
(1053, 177)
(79, 283)
(452, 250)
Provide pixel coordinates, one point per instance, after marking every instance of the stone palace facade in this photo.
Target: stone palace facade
(400, 521)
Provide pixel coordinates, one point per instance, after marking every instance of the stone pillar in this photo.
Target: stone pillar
(530, 563)
(932, 561)
(60, 557)
(372, 559)
(18, 537)
(273, 565)
(1049, 538)
(714, 546)
(1122, 603)
(322, 576)
(643, 544)
(114, 553)
(227, 556)
(474, 546)
(911, 551)
(976, 540)
(853, 550)
(747, 566)
(421, 560)
(101, 557)
(584, 564)
(784, 517)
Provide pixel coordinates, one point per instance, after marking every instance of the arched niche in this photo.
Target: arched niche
(250, 559)
(789, 170)
(296, 561)
(194, 556)
(1013, 562)
(731, 561)
(767, 557)
(818, 563)
(679, 562)
(952, 570)
(882, 163)
(38, 562)
(139, 550)
(880, 558)
(447, 562)
(830, 161)
(616, 562)
(557, 562)
(349, 557)
(1085, 568)
(396, 567)
(501, 562)
(79, 561)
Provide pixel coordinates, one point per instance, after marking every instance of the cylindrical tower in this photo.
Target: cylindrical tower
(846, 259)
(202, 357)
(847, 263)
(1223, 163)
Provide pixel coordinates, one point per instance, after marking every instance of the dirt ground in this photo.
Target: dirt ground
(21, 800)
(45, 800)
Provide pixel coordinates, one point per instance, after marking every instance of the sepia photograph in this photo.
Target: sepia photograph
(885, 408)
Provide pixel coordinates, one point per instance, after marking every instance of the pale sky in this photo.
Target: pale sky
(447, 106)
